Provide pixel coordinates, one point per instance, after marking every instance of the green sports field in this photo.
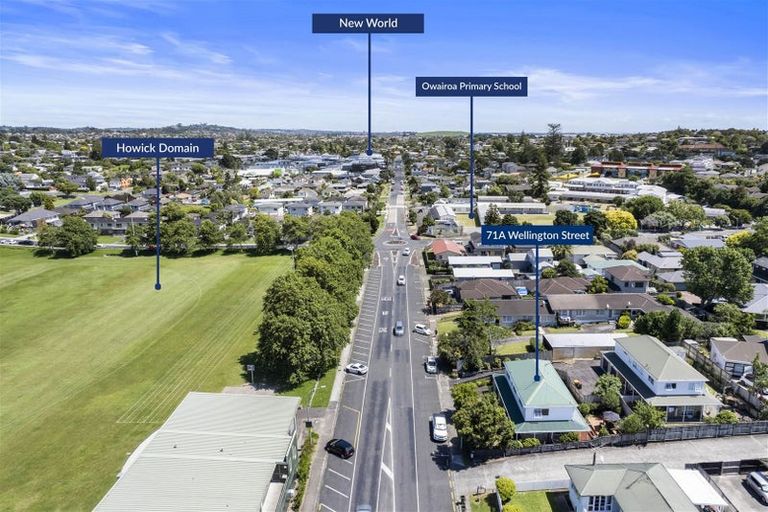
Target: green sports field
(93, 359)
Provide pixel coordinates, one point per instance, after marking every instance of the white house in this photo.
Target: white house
(651, 371)
(735, 357)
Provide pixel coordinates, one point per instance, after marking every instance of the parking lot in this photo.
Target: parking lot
(736, 490)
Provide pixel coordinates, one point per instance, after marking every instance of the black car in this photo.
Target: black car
(340, 447)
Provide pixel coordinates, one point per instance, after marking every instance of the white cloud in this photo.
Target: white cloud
(196, 49)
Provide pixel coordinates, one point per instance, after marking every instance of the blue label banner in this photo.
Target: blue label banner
(537, 235)
(471, 86)
(118, 147)
(367, 23)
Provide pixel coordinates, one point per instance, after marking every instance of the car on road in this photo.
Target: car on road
(422, 329)
(401, 281)
(415, 237)
(363, 508)
(439, 428)
(407, 251)
(340, 448)
(357, 368)
(758, 482)
(399, 330)
(431, 364)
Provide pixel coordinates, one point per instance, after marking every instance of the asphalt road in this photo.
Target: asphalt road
(386, 414)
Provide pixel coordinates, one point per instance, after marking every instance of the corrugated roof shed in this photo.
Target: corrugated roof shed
(215, 452)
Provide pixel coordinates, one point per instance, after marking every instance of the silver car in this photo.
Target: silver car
(758, 482)
(439, 428)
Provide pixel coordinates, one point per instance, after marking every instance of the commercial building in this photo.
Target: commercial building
(216, 452)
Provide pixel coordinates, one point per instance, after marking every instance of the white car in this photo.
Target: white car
(401, 281)
(357, 368)
(422, 329)
(439, 428)
(407, 251)
(431, 365)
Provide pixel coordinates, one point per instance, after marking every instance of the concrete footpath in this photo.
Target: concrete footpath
(551, 466)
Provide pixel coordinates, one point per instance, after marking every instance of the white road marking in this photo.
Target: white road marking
(336, 491)
(413, 401)
(387, 471)
(326, 506)
(339, 474)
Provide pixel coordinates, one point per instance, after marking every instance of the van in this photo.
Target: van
(399, 330)
(758, 482)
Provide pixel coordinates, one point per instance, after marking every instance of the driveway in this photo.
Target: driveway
(551, 466)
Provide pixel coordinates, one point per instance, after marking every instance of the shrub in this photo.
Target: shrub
(302, 471)
(531, 442)
(603, 431)
(523, 325)
(666, 300)
(516, 444)
(632, 424)
(623, 322)
(506, 488)
(723, 418)
(569, 437)
(587, 408)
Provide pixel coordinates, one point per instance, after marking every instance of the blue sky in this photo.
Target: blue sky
(600, 66)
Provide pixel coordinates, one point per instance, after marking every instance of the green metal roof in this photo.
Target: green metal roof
(635, 487)
(550, 391)
(577, 424)
(658, 359)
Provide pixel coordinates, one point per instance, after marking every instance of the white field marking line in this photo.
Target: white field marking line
(383, 443)
(326, 506)
(338, 474)
(362, 406)
(413, 399)
(336, 491)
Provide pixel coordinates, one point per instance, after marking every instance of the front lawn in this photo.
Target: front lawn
(322, 395)
(447, 323)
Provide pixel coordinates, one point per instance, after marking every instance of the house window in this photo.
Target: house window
(670, 385)
(650, 379)
(695, 386)
(540, 413)
(600, 503)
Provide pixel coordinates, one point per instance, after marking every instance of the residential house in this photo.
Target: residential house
(652, 372)
(358, 205)
(329, 207)
(102, 221)
(664, 261)
(474, 261)
(735, 357)
(274, 210)
(604, 307)
(300, 209)
(237, 211)
(628, 279)
(760, 269)
(676, 279)
(692, 243)
(758, 305)
(513, 311)
(445, 221)
(476, 246)
(443, 249)
(87, 203)
(110, 204)
(640, 487)
(140, 204)
(34, 218)
(491, 289)
(463, 273)
(579, 252)
(558, 285)
(541, 408)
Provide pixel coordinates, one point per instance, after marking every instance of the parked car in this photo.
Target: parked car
(401, 281)
(439, 428)
(340, 448)
(431, 364)
(357, 368)
(422, 329)
(407, 251)
(748, 380)
(399, 330)
(758, 482)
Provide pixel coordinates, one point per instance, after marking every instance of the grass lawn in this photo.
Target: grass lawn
(562, 330)
(109, 239)
(464, 220)
(94, 359)
(508, 349)
(322, 395)
(534, 502)
(447, 323)
(544, 219)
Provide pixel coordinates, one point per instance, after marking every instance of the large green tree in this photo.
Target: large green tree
(484, 424)
(266, 233)
(538, 179)
(608, 391)
(714, 273)
(597, 220)
(566, 218)
(209, 235)
(75, 237)
(643, 206)
(492, 216)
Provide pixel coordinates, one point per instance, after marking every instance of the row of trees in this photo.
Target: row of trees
(307, 313)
